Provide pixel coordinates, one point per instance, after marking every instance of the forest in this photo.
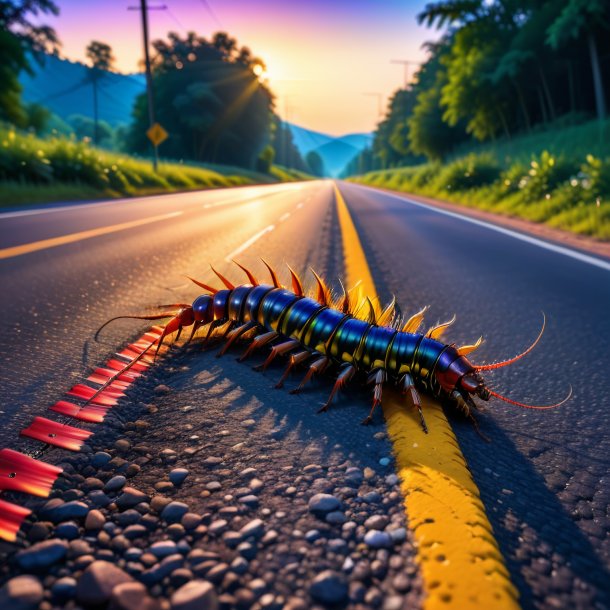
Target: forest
(502, 68)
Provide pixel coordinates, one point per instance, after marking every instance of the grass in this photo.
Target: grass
(35, 170)
(566, 186)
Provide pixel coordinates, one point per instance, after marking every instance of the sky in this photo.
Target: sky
(328, 61)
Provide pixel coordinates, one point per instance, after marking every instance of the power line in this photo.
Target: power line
(406, 63)
(212, 14)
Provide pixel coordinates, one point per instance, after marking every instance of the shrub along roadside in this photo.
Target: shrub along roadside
(563, 193)
(34, 170)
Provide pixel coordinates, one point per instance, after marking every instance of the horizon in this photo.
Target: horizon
(312, 92)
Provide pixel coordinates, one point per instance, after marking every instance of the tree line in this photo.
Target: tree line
(500, 68)
(210, 95)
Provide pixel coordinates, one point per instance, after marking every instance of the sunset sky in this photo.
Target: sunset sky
(322, 55)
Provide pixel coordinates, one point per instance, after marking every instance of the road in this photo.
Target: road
(67, 270)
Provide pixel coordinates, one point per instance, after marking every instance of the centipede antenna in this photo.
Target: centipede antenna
(251, 277)
(414, 322)
(386, 315)
(223, 279)
(297, 286)
(323, 294)
(468, 349)
(272, 273)
(158, 316)
(436, 331)
(525, 406)
(202, 285)
(498, 365)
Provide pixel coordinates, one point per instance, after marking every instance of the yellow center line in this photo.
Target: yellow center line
(72, 237)
(459, 558)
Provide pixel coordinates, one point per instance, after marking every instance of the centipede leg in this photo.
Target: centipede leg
(464, 404)
(379, 378)
(211, 328)
(317, 366)
(196, 327)
(258, 342)
(277, 350)
(233, 335)
(294, 360)
(342, 380)
(409, 387)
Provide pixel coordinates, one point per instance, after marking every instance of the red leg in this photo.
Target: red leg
(316, 367)
(294, 360)
(341, 381)
(379, 379)
(277, 350)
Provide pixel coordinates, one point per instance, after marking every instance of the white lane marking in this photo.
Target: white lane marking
(285, 216)
(248, 243)
(579, 256)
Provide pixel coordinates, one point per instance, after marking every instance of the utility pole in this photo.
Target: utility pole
(149, 84)
(406, 63)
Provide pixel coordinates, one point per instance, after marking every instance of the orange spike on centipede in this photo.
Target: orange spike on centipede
(54, 433)
(414, 322)
(91, 413)
(435, 332)
(297, 286)
(223, 279)
(371, 316)
(11, 518)
(251, 277)
(202, 285)
(19, 472)
(273, 274)
(344, 305)
(468, 349)
(323, 295)
(387, 314)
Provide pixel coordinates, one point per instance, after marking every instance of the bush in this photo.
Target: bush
(470, 172)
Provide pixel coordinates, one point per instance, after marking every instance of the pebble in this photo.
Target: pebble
(213, 486)
(177, 475)
(323, 503)
(174, 511)
(163, 548)
(68, 530)
(97, 582)
(378, 540)
(212, 461)
(42, 554)
(190, 521)
(354, 476)
(95, 520)
(132, 596)
(329, 587)
(162, 389)
(336, 517)
(250, 500)
(64, 588)
(254, 529)
(39, 531)
(248, 423)
(391, 479)
(376, 522)
(384, 461)
(372, 497)
(100, 459)
(217, 527)
(195, 595)
(99, 498)
(131, 497)
(122, 445)
(115, 483)
(21, 593)
(398, 535)
(68, 510)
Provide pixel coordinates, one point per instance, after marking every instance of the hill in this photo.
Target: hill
(61, 85)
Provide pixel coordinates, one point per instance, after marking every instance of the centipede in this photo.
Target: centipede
(343, 333)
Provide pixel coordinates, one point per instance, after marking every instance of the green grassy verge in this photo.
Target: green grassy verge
(34, 171)
(565, 190)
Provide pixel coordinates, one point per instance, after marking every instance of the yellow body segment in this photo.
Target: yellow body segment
(459, 558)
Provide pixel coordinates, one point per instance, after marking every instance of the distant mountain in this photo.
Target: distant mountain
(61, 85)
(336, 152)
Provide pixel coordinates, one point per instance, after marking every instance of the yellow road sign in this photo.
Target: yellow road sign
(156, 134)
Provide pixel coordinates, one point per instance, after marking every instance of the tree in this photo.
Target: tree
(588, 19)
(19, 37)
(102, 60)
(209, 99)
(315, 163)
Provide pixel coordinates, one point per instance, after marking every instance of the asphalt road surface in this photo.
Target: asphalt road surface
(543, 478)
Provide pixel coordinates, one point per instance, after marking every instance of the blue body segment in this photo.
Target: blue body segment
(321, 328)
(237, 301)
(295, 321)
(221, 299)
(273, 307)
(427, 355)
(253, 302)
(347, 339)
(402, 353)
(374, 349)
